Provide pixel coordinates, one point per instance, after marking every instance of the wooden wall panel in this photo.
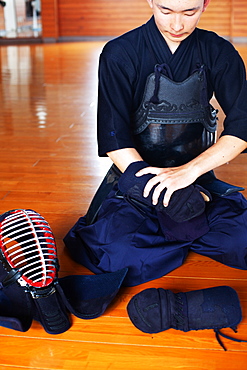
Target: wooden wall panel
(49, 19)
(239, 28)
(217, 17)
(99, 18)
(2, 21)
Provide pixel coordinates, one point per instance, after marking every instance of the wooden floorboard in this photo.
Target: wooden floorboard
(49, 163)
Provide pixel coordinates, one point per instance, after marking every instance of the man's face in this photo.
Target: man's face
(177, 19)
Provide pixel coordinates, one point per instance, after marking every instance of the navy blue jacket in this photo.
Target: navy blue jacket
(126, 61)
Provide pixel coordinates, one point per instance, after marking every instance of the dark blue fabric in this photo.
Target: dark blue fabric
(87, 297)
(125, 235)
(226, 241)
(187, 230)
(184, 217)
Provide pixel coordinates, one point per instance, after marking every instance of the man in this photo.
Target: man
(154, 82)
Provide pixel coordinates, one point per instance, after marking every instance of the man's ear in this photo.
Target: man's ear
(206, 2)
(150, 2)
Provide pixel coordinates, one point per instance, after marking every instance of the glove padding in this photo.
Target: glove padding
(156, 310)
(185, 204)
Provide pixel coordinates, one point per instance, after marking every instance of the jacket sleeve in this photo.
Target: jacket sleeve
(231, 91)
(115, 100)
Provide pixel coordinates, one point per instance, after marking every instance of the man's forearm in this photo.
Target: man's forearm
(123, 157)
(226, 149)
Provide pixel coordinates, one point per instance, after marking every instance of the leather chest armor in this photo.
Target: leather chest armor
(175, 121)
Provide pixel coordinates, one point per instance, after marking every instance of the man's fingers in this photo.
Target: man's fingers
(149, 186)
(156, 194)
(167, 197)
(158, 182)
(205, 197)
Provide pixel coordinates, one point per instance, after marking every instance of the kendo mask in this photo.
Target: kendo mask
(28, 273)
(29, 285)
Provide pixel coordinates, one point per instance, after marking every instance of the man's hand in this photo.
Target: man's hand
(174, 178)
(171, 179)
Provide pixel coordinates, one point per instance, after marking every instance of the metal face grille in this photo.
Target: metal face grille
(28, 245)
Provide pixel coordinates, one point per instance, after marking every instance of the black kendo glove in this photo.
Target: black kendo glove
(156, 310)
(185, 204)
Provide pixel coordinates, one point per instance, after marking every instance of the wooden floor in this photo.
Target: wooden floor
(49, 163)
